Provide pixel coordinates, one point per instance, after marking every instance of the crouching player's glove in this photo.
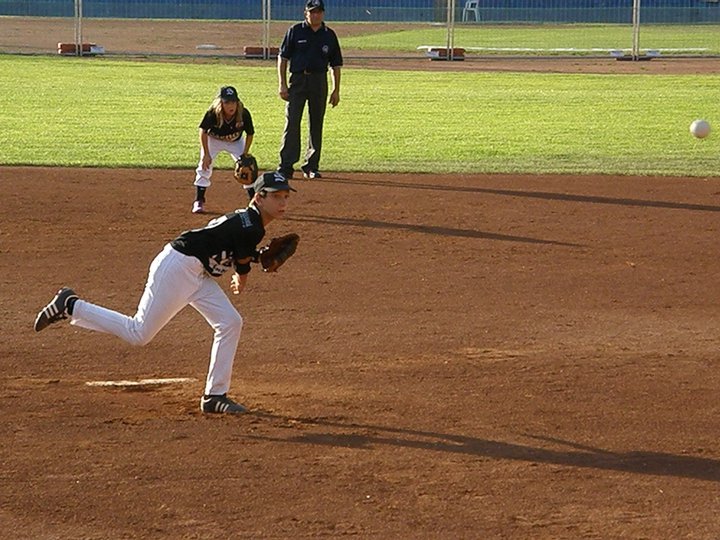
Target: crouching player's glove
(246, 170)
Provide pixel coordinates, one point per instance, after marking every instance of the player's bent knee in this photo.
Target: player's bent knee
(140, 336)
(232, 325)
(141, 340)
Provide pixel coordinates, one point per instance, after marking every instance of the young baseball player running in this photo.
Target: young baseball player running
(227, 126)
(182, 274)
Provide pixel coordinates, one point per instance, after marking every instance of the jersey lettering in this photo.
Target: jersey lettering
(245, 218)
(215, 222)
(230, 138)
(221, 263)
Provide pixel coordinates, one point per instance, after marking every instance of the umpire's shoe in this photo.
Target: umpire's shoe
(220, 404)
(310, 174)
(56, 310)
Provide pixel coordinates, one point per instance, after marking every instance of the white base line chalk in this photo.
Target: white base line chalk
(141, 382)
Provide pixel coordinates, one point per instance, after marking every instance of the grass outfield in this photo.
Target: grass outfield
(545, 39)
(99, 112)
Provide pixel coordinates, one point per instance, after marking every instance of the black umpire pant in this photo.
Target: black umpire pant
(313, 89)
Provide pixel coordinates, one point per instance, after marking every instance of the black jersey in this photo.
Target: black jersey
(227, 131)
(310, 51)
(224, 240)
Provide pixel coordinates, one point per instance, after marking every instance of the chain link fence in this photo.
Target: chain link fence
(367, 28)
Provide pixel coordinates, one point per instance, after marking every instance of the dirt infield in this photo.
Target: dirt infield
(480, 356)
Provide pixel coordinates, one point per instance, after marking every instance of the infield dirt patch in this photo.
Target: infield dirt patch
(485, 356)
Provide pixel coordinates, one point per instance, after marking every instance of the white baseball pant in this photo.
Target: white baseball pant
(215, 146)
(174, 281)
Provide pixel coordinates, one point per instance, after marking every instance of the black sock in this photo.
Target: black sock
(200, 195)
(70, 305)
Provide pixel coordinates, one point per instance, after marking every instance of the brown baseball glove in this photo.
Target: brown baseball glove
(246, 170)
(278, 251)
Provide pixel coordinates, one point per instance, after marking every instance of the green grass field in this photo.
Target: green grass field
(546, 39)
(99, 112)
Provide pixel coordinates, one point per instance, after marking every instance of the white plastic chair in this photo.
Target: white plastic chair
(471, 6)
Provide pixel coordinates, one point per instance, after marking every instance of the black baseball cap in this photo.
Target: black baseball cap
(315, 4)
(228, 93)
(271, 181)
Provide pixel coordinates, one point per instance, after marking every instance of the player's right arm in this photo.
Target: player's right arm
(282, 78)
(206, 151)
(237, 282)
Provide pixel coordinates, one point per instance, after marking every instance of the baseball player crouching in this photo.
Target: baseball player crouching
(182, 274)
(227, 126)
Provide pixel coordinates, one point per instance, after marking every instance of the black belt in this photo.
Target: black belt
(308, 72)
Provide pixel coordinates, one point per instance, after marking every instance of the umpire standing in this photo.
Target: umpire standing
(309, 47)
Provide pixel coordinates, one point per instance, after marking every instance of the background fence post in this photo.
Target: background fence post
(450, 42)
(636, 30)
(78, 27)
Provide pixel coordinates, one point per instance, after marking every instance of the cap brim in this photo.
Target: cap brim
(282, 188)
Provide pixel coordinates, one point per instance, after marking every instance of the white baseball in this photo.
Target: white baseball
(700, 128)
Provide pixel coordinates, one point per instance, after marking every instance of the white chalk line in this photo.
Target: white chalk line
(142, 382)
(560, 49)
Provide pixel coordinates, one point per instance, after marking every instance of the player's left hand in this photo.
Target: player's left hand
(334, 98)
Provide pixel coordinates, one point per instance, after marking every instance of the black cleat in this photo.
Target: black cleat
(55, 310)
(220, 404)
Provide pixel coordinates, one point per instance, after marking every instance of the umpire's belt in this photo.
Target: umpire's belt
(308, 72)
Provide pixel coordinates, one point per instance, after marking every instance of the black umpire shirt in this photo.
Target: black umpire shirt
(311, 52)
